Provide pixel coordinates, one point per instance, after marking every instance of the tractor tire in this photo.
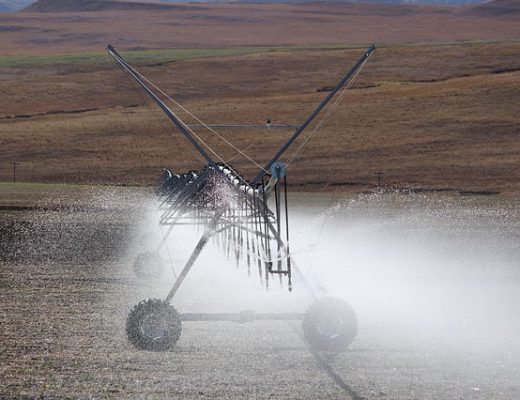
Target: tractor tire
(153, 325)
(149, 265)
(330, 325)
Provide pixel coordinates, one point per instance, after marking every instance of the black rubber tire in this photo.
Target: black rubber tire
(153, 325)
(149, 265)
(330, 325)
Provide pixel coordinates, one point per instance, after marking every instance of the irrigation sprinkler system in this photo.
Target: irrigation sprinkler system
(235, 213)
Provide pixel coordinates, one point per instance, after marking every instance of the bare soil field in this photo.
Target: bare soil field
(67, 286)
(62, 336)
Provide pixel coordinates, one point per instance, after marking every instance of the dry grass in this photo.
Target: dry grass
(229, 25)
(433, 116)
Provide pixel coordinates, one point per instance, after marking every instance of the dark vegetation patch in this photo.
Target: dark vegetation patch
(16, 28)
(505, 70)
(502, 8)
(93, 5)
(478, 193)
(51, 236)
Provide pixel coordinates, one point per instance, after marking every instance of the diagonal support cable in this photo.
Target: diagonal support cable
(316, 111)
(178, 123)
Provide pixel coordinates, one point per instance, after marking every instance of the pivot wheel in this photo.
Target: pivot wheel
(149, 265)
(329, 324)
(153, 325)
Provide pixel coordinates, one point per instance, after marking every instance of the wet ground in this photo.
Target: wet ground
(434, 281)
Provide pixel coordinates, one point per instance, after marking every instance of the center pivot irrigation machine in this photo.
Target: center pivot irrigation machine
(236, 213)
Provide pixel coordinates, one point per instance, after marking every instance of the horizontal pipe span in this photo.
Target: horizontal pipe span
(257, 126)
(244, 316)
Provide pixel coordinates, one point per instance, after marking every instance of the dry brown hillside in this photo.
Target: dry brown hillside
(439, 114)
(224, 25)
(434, 116)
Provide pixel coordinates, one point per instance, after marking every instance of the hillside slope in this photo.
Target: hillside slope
(502, 8)
(431, 116)
(13, 5)
(104, 5)
(49, 26)
(92, 5)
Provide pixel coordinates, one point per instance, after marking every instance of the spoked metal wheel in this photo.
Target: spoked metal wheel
(153, 325)
(330, 325)
(149, 265)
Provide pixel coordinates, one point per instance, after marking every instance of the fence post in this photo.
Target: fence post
(379, 177)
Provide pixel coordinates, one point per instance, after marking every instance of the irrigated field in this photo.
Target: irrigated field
(433, 280)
